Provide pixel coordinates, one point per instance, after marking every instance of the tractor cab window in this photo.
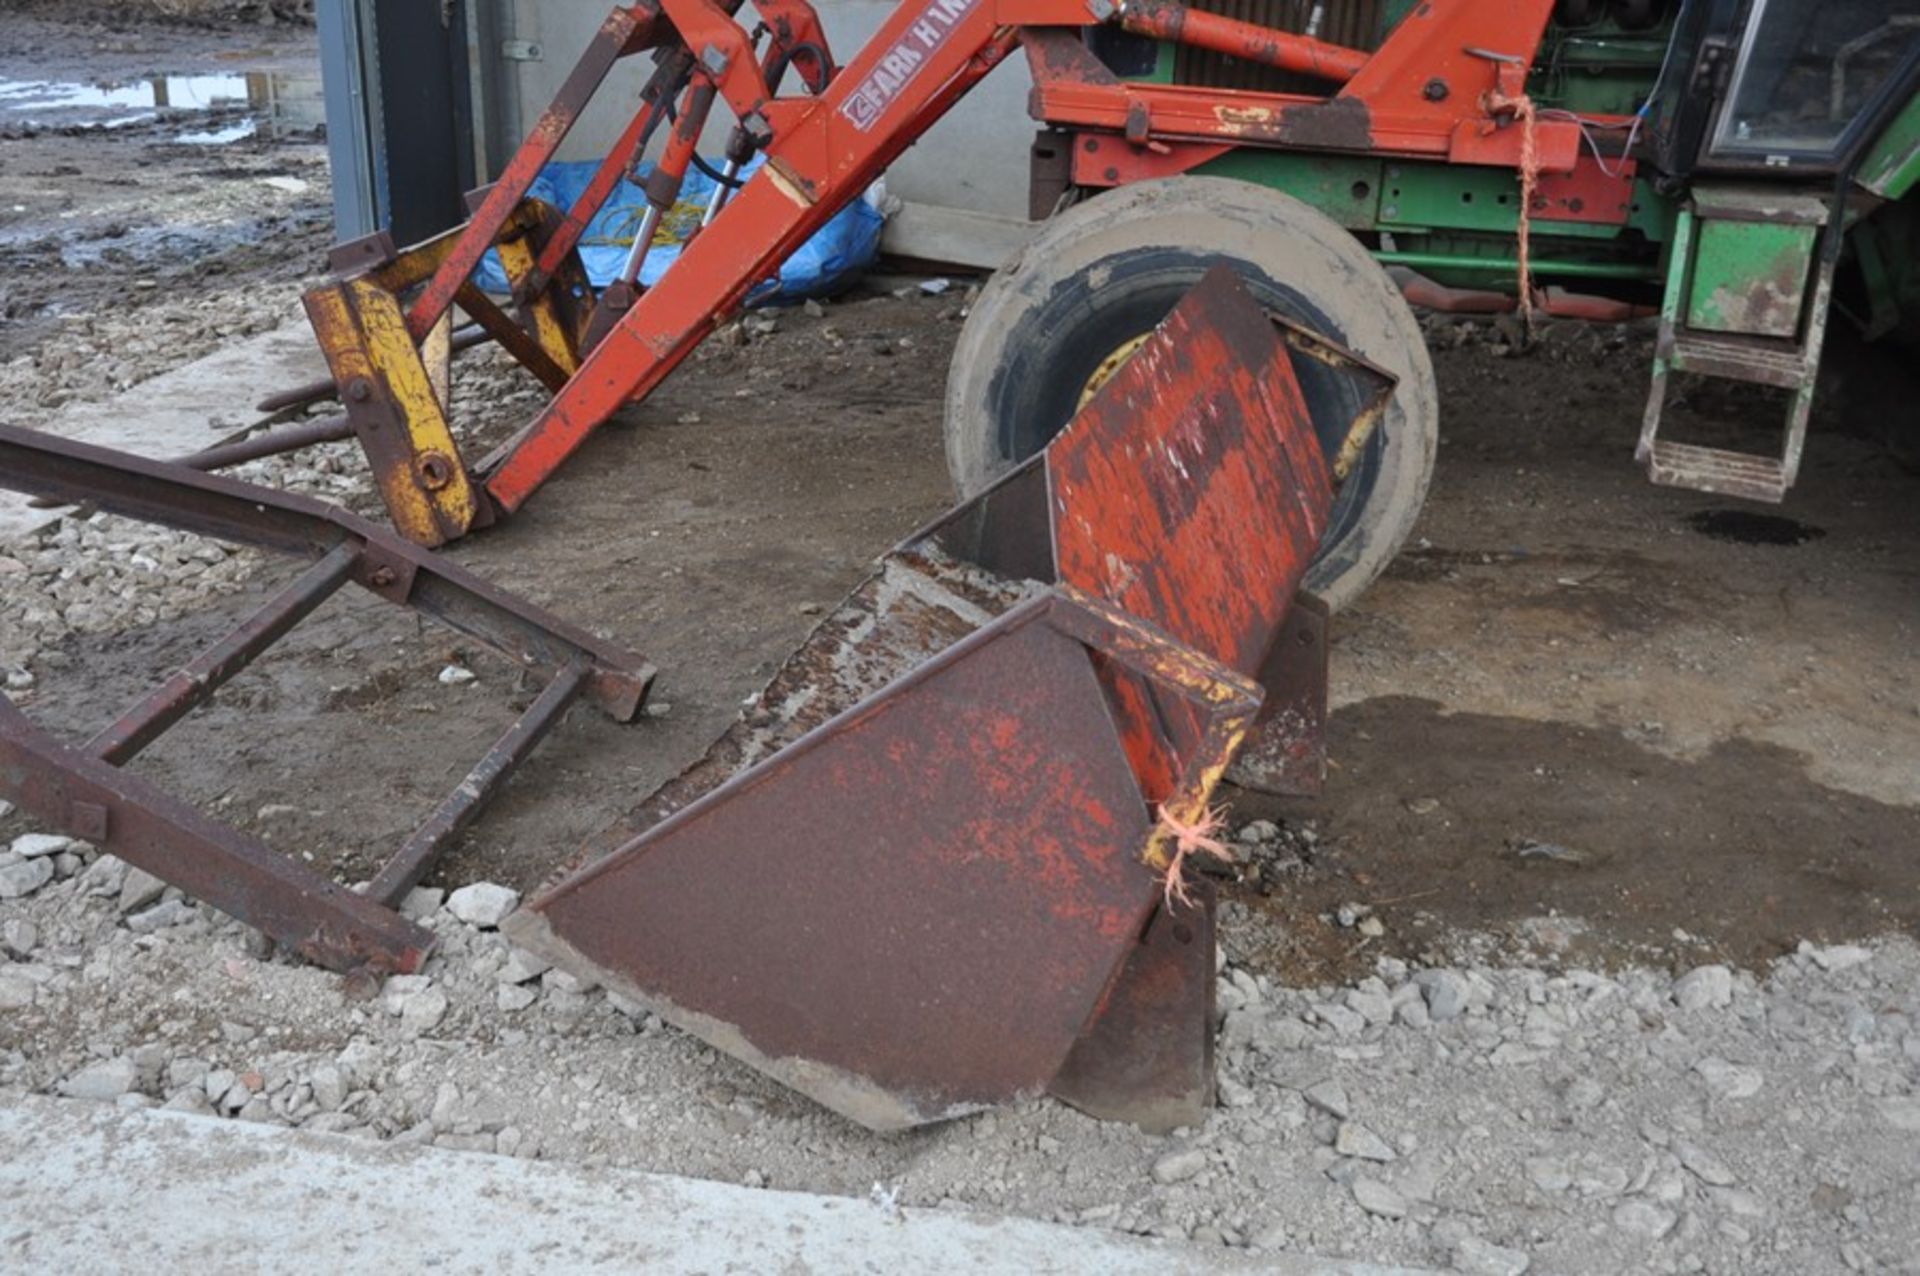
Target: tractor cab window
(1808, 71)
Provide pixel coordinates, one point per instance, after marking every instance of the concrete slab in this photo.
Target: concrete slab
(94, 1188)
(954, 236)
(192, 407)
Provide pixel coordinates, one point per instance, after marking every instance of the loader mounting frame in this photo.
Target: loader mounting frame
(85, 790)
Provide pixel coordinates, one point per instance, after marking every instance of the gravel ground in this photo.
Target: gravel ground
(1500, 1118)
(97, 355)
(102, 574)
(1470, 1111)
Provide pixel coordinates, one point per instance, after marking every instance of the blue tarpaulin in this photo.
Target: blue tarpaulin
(843, 247)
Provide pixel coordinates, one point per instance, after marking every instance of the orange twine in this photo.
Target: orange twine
(1522, 108)
(1188, 839)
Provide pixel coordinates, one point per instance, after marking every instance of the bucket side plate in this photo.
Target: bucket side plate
(910, 914)
(1191, 491)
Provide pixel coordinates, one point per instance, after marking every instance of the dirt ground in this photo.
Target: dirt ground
(118, 209)
(1721, 733)
(143, 16)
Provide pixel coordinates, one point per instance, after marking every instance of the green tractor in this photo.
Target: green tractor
(1740, 168)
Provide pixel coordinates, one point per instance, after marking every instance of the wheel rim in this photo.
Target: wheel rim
(1114, 361)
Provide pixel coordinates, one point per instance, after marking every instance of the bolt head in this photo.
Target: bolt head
(436, 471)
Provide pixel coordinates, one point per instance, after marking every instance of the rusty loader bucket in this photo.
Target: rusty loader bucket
(934, 867)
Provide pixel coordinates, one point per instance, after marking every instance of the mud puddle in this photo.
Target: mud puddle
(1577, 842)
(1744, 527)
(155, 248)
(125, 189)
(204, 110)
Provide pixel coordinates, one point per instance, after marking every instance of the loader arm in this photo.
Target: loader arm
(824, 152)
(822, 148)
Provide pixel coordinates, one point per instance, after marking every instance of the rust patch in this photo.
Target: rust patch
(1340, 124)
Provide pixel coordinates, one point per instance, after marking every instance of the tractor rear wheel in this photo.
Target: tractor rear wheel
(1063, 314)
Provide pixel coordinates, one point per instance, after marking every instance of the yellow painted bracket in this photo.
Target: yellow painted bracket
(396, 393)
(391, 402)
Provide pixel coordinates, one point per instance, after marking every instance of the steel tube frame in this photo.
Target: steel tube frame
(71, 473)
(330, 429)
(464, 805)
(83, 792)
(290, 903)
(122, 741)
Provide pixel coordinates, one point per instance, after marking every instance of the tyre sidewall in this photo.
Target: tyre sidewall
(1111, 267)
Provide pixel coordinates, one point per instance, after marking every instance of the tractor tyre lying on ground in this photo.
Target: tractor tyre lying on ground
(1055, 321)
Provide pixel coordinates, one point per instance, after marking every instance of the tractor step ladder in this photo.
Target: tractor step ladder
(1747, 299)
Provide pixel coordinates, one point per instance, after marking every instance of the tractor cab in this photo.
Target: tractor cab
(1781, 88)
(1759, 125)
(1741, 163)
